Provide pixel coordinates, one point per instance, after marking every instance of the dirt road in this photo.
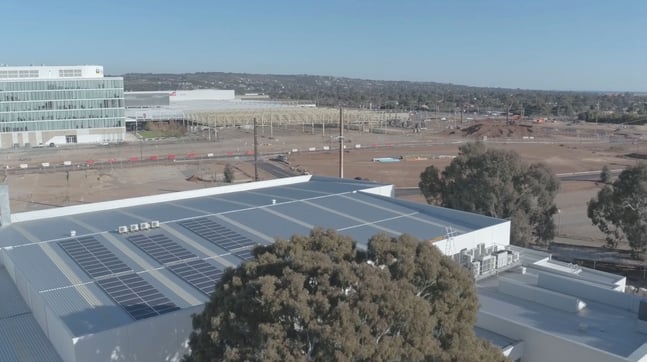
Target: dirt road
(82, 183)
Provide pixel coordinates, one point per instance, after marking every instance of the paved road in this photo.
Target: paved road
(586, 175)
(407, 191)
(574, 176)
(276, 169)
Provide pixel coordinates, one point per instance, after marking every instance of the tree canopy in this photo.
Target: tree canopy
(497, 183)
(399, 95)
(620, 209)
(319, 298)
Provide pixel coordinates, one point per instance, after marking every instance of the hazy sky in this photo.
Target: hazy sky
(540, 44)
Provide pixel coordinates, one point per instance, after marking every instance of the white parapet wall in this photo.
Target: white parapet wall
(385, 190)
(589, 291)
(136, 201)
(498, 234)
(162, 338)
(532, 293)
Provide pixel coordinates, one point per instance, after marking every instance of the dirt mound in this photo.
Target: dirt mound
(495, 130)
(195, 178)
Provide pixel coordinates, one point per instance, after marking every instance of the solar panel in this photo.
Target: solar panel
(217, 234)
(136, 296)
(246, 254)
(161, 248)
(200, 274)
(94, 258)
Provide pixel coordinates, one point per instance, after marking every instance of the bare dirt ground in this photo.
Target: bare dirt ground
(565, 148)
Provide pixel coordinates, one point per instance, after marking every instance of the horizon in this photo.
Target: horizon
(576, 46)
(379, 80)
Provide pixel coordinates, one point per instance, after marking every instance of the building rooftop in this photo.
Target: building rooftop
(61, 72)
(21, 339)
(39, 245)
(180, 110)
(581, 305)
(103, 274)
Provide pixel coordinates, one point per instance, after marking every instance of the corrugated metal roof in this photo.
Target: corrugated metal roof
(11, 303)
(261, 215)
(21, 338)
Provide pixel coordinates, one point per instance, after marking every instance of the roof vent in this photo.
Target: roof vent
(5, 210)
(642, 310)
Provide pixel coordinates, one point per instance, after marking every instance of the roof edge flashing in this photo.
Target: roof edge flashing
(382, 190)
(5, 209)
(153, 199)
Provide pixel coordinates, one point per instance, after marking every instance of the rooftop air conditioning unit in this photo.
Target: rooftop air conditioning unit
(72, 233)
(515, 256)
(475, 267)
(123, 229)
(155, 224)
(144, 226)
(134, 227)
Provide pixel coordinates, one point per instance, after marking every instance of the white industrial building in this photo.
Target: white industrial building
(58, 105)
(154, 99)
(119, 280)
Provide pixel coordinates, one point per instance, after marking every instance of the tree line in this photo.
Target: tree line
(319, 298)
(497, 183)
(409, 96)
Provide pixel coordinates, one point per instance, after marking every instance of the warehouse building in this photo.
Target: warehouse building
(59, 105)
(119, 280)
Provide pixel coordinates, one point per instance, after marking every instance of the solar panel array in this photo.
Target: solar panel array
(138, 298)
(95, 259)
(198, 273)
(217, 234)
(134, 294)
(161, 248)
(246, 254)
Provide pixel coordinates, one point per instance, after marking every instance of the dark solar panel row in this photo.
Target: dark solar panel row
(200, 274)
(246, 254)
(95, 259)
(161, 248)
(217, 234)
(136, 296)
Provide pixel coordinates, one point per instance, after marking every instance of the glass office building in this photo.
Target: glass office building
(60, 105)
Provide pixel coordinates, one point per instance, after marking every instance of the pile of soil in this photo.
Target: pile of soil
(195, 178)
(495, 130)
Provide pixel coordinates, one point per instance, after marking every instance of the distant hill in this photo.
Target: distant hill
(402, 95)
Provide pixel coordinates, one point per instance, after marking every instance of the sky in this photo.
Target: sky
(594, 45)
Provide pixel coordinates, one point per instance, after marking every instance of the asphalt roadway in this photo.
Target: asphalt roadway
(592, 176)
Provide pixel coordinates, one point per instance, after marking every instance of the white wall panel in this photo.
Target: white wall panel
(588, 291)
(534, 294)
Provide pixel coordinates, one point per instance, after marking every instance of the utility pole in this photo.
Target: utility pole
(341, 143)
(462, 107)
(255, 153)
(597, 110)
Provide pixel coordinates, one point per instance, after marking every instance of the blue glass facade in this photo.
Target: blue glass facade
(61, 104)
